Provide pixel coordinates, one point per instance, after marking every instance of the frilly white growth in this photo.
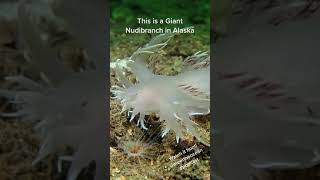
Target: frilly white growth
(68, 107)
(120, 63)
(173, 98)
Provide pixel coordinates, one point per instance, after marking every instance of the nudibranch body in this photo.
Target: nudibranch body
(173, 98)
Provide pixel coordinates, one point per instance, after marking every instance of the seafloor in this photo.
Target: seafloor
(19, 144)
(156, 163)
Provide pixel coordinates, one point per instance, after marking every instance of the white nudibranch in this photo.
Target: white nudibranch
(66, 108)
(173, 98)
